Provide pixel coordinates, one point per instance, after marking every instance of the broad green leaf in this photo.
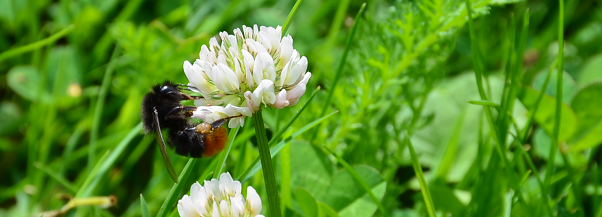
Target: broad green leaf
(312, 168)
(349, 198)
(587, 104)
(590, 72)
(364, 206)
(25, 81)
(547, 112)
(10, 117)
(326, 211)
(63, 68)
(568, 85)
(541, 146)
(308, 203)
(445, 199)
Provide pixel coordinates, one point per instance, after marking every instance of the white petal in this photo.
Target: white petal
(264, 39)
(213, 45)
(286, 50)
(237, 187)
(269, 71)
(274, 36)
(181, 211)
(238, 70)
(265, 92)
(253, 201)
(234, 123)
(281, 101)
(249, 61)
(195, 192)
(298, 91)
(195, 73)
(207, 55)
(212, 188)
(238, 207)
(297, 72)
(215, 210)
(186, 207)
(227, 183)
(252, 102)
(248, 31)
(227, 80)
(223, 205)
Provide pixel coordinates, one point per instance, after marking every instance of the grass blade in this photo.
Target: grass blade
(103, 166)
(342, 62)
(224, 154)
(255, 166)
(479, 69)
(428, 200)
(56, 176)
(287, 22)
(559, 70)
(359, 179)
(144, 207)
(100, 102)
(277, 136)
(16, 51)
(172, 197)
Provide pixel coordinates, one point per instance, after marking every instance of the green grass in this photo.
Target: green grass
(414, 108)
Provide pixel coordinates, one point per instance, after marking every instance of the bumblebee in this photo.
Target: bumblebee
(161, 109)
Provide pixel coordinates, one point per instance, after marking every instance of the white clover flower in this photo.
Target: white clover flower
(253, 67)
(220, 198)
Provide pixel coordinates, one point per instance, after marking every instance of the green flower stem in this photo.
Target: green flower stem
(266, 163)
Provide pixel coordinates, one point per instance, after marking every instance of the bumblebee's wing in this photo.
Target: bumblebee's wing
(170, 169)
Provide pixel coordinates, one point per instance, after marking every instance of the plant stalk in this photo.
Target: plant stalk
(266, 162)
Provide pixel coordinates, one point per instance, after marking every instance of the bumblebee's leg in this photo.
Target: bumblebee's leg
(220, 122)
(186, 110)
(170, 169)
(189, 88)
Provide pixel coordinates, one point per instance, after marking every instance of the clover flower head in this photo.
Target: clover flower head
(253, 67)
(219, 198)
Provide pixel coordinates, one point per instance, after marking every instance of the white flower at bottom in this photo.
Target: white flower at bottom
(220, 198)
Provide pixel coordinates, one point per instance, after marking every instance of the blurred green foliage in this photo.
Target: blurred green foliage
(73, 75)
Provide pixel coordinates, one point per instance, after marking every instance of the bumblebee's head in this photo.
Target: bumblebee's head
(167, 89)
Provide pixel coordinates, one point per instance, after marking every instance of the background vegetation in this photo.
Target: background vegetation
(73, 74)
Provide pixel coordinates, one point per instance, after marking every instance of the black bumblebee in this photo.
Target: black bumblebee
(161, 109)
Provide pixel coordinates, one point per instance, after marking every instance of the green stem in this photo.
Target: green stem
(266, 162)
